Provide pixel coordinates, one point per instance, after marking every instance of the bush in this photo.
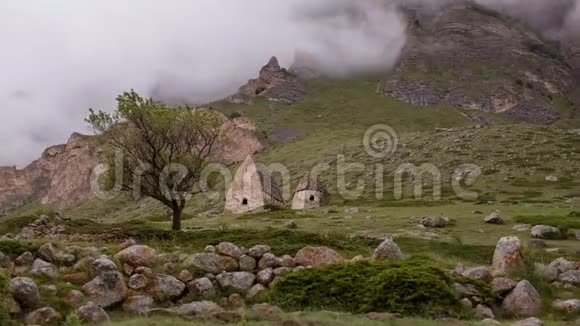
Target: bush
(16, 248)
(5, 318)
(415, 287)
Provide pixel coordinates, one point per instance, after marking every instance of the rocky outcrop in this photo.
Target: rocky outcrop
(471, 57)
(61, 177)
(274, 83)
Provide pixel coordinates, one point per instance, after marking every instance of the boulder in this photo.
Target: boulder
(237, 281)
(287, 261)
(549, 273)
(47, 252)
(547, 232)
(199, 309)
(102, 265)
(281, 271)
(435, 221)
(138, 282)
(563, 265)
(388, 250)
(265, 276)
(247, 263)
(107, 289)
(258, 251)
(494, 218)
(43, 268)
(137, 255)
(201, 287)
(317, 256)
(484, 312)
(229, 249)
(26, 259)
(501, 286)
(74, 298)
(138, 304)
(508, 256)
(570, 277)
(523, 301)
(93, 314)
(268, 260)
(211, 263)
(44, 316)
(25, 292)
(185, 276)
(166, 288)
(571, 306)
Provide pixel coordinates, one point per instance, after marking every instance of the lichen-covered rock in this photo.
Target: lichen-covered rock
(388, 250)
(255, 290)
(570, 277)
(25, 292)
(201, 287)
(508, 256)
(523, 301)
(494, 218)
(265, 276)
(547, 232)
(571, 306)
(563, 265)
(211, 263)
(138, 281)
(137, 255)
(268, 260)
(501, 285)
(236, 281)
(258, 251)
(165, 288)
(229, 249)
(317, 256)
(101, 265)
(43, 268)
(435, 221)
(74, 298)
(247, 263)
(26, 259)
(287, 261)
(93, 314)
(44, 316)
(106, 289)
(478, 273)
(138, 304)
(47, 252)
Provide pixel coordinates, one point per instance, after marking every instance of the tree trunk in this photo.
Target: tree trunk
(176, 219)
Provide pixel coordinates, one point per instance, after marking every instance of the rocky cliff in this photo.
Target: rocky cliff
(61, 176)
(471, 57)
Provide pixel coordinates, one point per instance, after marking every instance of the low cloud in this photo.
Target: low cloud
(61, 57)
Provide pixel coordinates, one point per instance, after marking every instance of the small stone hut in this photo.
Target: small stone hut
(252, 188)
(310, 193)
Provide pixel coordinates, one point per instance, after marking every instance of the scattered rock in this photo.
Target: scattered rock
(107, 289)
(317, 256)
(74, 298)
(388, 250)
(138, 282)
(494, 218)
(478, 273)
(102, 265)
(435, 221)
(138, 304)
(268, 260)
(212, 263)
(44, 316)
(137, 255)
(570, 277)
(236, 281)
(546, 232)
(571, 306)
(199, 309)
(508, 256)
(26, 259)
(247, 263)
(552, 178)
(25, 292)
(93, 314)
(210, 249)
(201, 287)
(258, 251)
(501, 286)
(291, 225)
(523, 301)
(185, 276)
(563, 265)
(229, 249)
(166, 288)
(265, 276)
(484, 312)
(47, 252)
(43, 268)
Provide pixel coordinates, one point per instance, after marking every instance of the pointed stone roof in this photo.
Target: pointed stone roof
(268, 184)
(311, 182)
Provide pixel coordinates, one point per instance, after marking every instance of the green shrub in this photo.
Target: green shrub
(16, 248)
(16, 223)
(415, 287)
(5, 318)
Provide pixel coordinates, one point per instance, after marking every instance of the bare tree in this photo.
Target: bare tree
(164, 150)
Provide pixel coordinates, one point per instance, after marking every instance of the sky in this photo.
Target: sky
(62, 57)
(59, 58)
